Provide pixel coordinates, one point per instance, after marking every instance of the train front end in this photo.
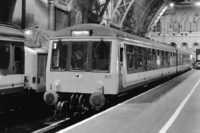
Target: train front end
(82, 70)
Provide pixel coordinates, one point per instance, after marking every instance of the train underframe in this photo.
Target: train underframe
(70, 104)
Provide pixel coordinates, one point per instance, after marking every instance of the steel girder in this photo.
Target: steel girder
(158, 15)
(135, 16)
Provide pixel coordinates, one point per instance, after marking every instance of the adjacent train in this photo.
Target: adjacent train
(88, 64)
(23, 58)
(11, 60)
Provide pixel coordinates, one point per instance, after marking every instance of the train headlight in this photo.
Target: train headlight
(97, 100)
(26, 79)
(57, 83)
(50, 97)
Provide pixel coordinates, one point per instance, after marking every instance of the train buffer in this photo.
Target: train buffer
(172, 107)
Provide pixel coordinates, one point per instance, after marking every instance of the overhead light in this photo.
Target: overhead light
(197, 3)
(171, 4)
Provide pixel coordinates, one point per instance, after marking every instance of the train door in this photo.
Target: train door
(122, 81)
(41, 73)
(177, 60)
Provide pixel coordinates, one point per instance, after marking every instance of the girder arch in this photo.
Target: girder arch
(135, 16)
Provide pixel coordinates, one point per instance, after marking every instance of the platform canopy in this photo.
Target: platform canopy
(134, 16)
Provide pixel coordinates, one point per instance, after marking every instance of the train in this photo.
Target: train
(89, 64)
(11, 60)
(23, 60)
(197, 63)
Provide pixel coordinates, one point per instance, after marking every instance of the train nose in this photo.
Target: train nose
(50, 97)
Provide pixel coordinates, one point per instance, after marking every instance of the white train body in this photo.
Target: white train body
(35, 69)
(11, 60)
(105, 62)
(36, 51)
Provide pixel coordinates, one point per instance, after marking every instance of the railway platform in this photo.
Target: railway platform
(173, 107)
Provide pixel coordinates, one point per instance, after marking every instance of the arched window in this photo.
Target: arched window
(182, 29)
(195, 44)
(184, 44)
(183, 18)
(186, 25)
(158, 27)
(173, 44)
(175, 29)
(168, 27)
(198, 25)
(172, 24)
(195, 25)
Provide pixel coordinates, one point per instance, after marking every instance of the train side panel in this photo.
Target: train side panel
(30, 68)
(11, 60)
(139, 69)
(184, 61)
(35, 69)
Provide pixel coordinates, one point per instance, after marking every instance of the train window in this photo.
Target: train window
(153, 59)
(181, 59)
(121, 55)
(18, 58)
(59, 55)
(145, 66)
(4, 55)
(139, 58)
(101, 55)
(18, 53)
(158, 58)
(42, 59)
(79, 55)
(162, 58)
(14, 64)
(149, 59)
(130, 55)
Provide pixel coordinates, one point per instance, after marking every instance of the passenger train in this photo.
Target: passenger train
(23, 58)
(11, 60)
(88, 64)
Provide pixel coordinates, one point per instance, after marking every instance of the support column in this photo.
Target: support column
(51, 15)
(23, 24)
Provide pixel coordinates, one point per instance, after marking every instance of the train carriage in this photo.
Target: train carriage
(88, 63)
(11, 59)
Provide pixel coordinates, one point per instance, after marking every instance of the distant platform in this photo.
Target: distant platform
(173, 107)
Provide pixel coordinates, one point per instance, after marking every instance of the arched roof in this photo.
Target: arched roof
(134, 16)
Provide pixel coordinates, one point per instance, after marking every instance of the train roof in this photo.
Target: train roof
(105, 31)
(96, 30)
(36, 37)
(38, 50)
(10, 31)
